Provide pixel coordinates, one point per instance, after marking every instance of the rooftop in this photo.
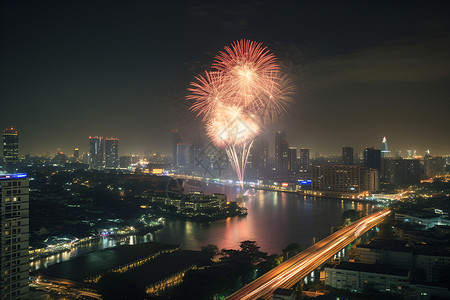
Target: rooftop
(12, 176)
(387, 244)
(167, 265)
(370, 268)
(283, 292)
(98, 262)
(417, 214)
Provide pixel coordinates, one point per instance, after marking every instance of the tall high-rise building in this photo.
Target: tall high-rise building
(111, 153)
(10, 145)
(281, 151)
(401, 171)
(292, 159)
(183, 155)
(347, 155)
(96, 152)
(434, 165)
(76, 154)
(372, 158)
(124, 162)
(384, 149)
(258, 160)
(14, 237)
(304, 160)
(176, 139)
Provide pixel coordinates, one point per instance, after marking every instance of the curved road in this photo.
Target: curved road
(294, 269)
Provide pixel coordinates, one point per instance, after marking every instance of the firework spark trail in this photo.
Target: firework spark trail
(238, 159)
(245, 82)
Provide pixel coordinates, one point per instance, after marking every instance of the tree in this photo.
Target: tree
(211, 250)
(251, 249)
(291, 250)
(248, 253)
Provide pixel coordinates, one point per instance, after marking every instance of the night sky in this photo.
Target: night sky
(71, 69)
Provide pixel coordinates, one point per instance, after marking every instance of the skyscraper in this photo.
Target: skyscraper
(14, 227)
(372, 158)
(176, 139)
(111, 153)
(281, 151)
(434, 165)
(258, 159)
(96, 152)
(183, 155)
(401, 171)
(384, 148)
(10, 145)
(347, 155)
(76, 154)
(304, 159)
(292, 159)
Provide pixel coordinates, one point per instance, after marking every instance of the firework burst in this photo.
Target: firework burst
(244, 90)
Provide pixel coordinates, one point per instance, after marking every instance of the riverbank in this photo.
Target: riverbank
(67, 247)
(311, 193)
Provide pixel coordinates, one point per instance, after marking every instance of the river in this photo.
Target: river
(274, 220)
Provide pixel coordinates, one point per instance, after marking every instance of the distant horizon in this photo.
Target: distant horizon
(271, 151)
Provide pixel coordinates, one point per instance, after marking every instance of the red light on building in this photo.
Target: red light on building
(284, 184)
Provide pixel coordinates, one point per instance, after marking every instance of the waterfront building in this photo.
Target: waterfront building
(292, 159)
(401, 171)
(96, 152)
(281, 151)
(304, 160)
(338, 180)
(384, 149)
(111, 153)
(347, 155)
(10, 145)
(176, 139)
(372, 158)
(14, 237)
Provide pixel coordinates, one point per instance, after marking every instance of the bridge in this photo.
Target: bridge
(287, 274)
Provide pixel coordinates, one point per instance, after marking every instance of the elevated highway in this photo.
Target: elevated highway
(296, 268)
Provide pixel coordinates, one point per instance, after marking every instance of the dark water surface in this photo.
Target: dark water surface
(274, 220)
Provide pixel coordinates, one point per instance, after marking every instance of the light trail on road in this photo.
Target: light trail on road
(294, 269)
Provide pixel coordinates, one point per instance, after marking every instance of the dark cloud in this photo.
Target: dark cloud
(406, 60)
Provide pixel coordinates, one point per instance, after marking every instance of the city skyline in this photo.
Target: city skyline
(99, 78)
(85, 149)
